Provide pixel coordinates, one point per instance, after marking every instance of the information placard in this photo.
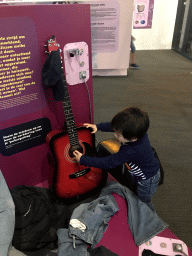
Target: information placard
(20, 68)
(24, 136)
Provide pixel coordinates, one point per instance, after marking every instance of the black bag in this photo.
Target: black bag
(101, 251)
(111, 146)
(37, 218)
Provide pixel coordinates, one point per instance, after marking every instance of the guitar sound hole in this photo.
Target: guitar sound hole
(72, 149)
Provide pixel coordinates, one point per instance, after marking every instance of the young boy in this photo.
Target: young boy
(130, 127)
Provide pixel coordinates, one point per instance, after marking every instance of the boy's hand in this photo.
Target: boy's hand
(77, 155)
(93, 126)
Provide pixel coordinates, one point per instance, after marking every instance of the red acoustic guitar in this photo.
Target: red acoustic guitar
(70, 178)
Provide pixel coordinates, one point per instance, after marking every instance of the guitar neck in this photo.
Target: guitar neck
(70, 122)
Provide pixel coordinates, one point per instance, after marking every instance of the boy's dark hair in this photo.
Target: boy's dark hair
(131, 122)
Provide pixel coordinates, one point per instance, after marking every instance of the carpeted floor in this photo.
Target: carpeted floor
(163, 87)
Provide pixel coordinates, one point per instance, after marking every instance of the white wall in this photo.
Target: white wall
(160, 36)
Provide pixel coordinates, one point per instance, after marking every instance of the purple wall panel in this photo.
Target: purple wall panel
(69, 23)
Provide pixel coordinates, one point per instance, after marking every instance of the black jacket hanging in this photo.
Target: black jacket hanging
(101, 251)
(51, 75)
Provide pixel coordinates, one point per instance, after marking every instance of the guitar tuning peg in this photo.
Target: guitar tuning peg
(45, 45)
(46, 52)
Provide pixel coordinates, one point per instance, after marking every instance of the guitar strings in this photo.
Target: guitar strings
(89, 101)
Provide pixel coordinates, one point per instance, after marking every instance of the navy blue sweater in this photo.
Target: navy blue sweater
(139, 156)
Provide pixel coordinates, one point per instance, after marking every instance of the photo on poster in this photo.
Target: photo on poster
(143, 14)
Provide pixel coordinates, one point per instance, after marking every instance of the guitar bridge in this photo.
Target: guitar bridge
(79, 174)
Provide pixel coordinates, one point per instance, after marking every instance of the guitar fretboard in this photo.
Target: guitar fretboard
(70, 123)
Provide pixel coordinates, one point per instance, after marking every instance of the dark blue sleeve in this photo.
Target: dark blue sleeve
(108, 162)
(105, 127)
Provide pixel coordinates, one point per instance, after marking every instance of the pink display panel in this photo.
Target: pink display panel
(163, 246)
(28, 110)
(76, 58)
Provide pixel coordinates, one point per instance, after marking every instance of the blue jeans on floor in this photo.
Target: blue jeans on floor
(147, 188)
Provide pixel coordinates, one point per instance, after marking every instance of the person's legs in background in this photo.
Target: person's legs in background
(132, 57)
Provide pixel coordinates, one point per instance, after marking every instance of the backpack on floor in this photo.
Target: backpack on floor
(37, 218)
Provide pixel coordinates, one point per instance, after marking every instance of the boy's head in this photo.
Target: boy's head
(131, 122)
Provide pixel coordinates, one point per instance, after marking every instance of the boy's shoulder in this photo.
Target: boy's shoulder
(140, 141)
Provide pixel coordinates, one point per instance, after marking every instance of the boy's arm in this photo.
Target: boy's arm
(105, 127)
(107, 162)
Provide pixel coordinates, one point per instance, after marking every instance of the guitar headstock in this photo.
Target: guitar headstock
(52, 45)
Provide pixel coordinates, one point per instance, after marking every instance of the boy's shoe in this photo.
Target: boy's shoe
(134, 66)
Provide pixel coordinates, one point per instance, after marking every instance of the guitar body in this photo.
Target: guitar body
(70, 178)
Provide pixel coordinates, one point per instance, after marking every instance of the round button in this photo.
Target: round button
(149, 243)
(82, 63)
(163, 245)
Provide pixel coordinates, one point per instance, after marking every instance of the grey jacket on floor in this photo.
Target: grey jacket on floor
(7, 217)
(89, 221)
